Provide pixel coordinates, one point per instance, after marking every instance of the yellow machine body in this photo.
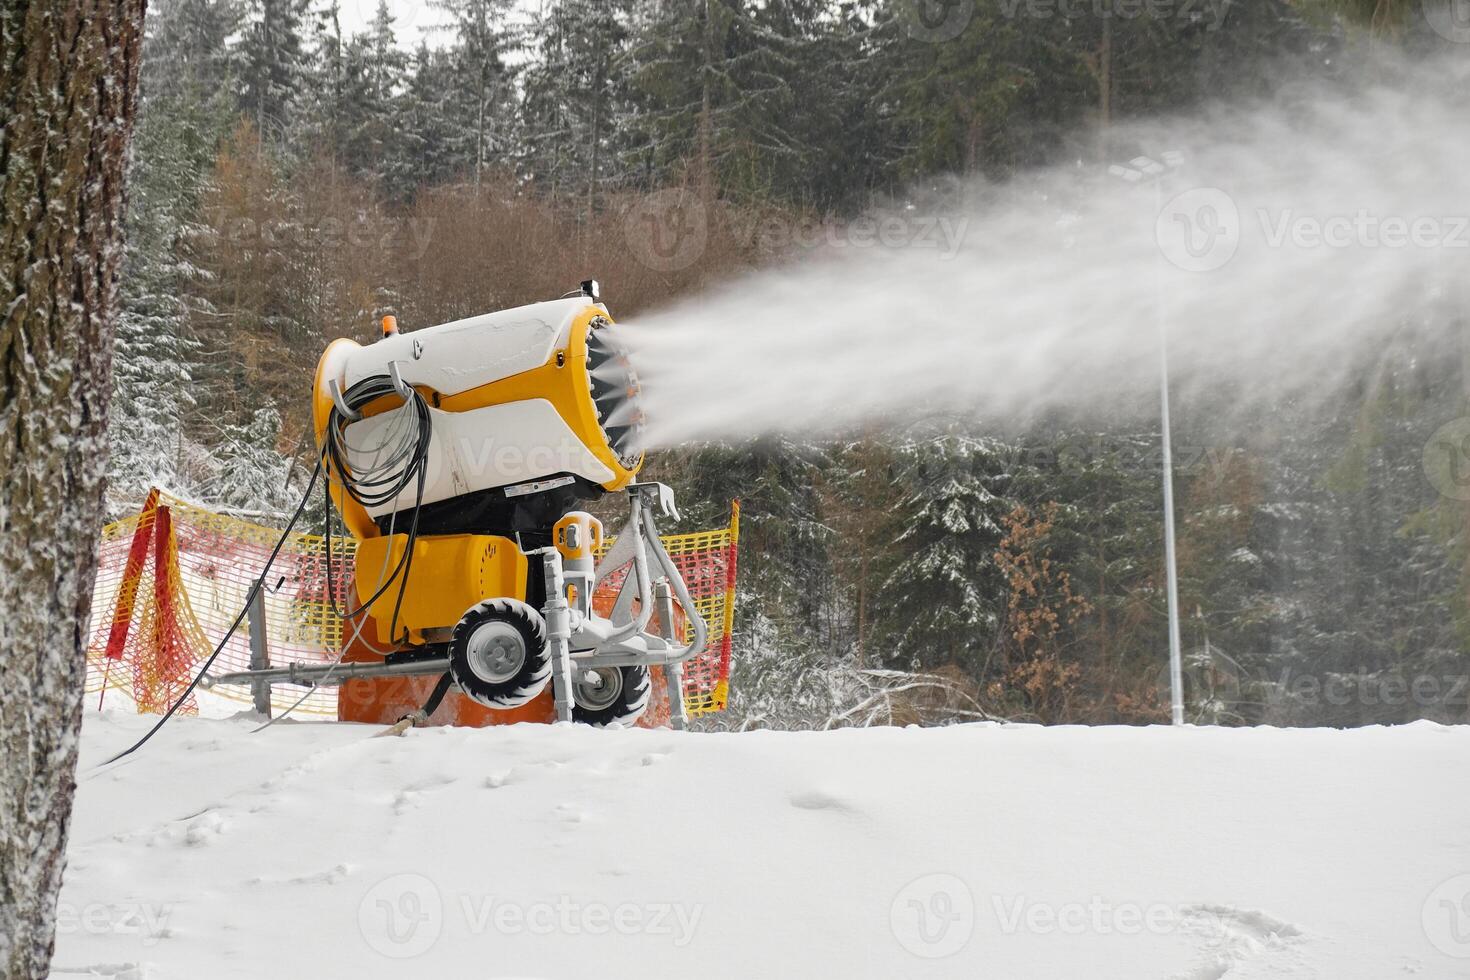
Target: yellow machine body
(449, 574)
(514, 404)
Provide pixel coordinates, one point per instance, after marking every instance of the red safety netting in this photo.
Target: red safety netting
(172, 578)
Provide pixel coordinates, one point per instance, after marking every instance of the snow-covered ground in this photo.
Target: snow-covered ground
(313, 851)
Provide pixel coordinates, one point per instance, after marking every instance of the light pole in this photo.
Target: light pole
(1137, 169)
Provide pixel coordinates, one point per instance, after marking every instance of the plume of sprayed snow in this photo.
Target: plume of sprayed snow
(1352, 208)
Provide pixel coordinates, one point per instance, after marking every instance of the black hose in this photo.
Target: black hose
(436, 697)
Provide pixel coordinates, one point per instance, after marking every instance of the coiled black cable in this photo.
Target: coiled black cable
(370, 480)
(373, 482)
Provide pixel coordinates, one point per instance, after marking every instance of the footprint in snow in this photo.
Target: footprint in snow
(819, 800)
(567, 813)
(435, 781)
(1233, 936)
(410, 796)
(331, 876)
(204, 828)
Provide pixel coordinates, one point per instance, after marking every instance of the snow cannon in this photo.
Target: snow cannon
(459, 457)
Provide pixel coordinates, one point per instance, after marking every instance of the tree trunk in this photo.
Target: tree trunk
(68, 86)
(706, 181)
(974, 137)
(1460, 313)
(600, 83)
(480, 123)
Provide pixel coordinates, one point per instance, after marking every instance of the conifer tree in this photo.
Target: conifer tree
(372, 78)
(576, 98)
(714, 77)
(273, 59)
(423, 152)
(318, 104)
(184, 106)
(942, 599)
(482, 99)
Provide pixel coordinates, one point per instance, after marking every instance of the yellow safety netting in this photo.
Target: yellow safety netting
(172, 578)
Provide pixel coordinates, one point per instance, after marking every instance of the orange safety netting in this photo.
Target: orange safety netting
(172, 578)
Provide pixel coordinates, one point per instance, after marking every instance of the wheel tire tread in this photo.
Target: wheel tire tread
(632, 702)
(537, 657)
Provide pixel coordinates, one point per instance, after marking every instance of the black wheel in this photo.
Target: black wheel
(498, 653)
(609, 695)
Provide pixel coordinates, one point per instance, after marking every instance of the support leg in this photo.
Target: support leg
(673, 673)
(558, 635)
(561, 679)
(678, 712)
(260, 654)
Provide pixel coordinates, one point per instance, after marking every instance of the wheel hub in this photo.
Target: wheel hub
(598, 687)
(495, 652)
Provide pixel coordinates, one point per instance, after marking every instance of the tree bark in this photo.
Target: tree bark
(68, 89)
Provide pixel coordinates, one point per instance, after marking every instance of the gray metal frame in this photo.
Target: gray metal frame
(577, 637)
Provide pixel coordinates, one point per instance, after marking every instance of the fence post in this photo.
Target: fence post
(260, 654)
